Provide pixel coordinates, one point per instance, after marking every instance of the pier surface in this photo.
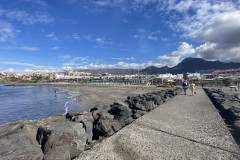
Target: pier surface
(185, 127)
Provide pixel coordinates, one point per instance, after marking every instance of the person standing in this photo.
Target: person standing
(193, 88)
(185, 87)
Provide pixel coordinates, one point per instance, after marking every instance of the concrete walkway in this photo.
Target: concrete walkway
(185, 127)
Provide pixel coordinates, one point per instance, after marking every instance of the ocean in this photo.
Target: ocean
(34, 103)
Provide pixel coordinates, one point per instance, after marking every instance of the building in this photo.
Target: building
(166, 76)
(194, 76)
(226, 73)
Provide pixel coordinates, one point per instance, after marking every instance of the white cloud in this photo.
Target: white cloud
(67, 68)
(174, 58)
(164, 39)
(75, 61)
(29, 18)
(6, 31)
(76, 36)
(39, 67)
(102, 41)
(55, 48)
(120, 65)
(143, 34)
(221, 37)
(169, 60)
(118, 59)
(215, 23)
(52, 36)
(80, 58)
(184, 50)
(130, 59)
(27, 70)
(41, 3)
(28, 48)
(64, 57)
(9, 70)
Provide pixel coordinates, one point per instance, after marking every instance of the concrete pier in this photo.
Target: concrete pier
(185, 127)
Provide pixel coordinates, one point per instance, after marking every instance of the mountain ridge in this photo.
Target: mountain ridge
(190, 65)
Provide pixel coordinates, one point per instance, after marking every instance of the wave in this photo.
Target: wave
(68, 103)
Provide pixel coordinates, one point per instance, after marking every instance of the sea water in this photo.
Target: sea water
(34, 103)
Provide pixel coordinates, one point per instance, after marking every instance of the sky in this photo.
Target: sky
(56, 35)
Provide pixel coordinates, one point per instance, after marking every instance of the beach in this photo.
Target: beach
(97, 95)
(104, 95)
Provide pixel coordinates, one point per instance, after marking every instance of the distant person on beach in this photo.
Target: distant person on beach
(55, 91)
(185, 87)
(193, 88)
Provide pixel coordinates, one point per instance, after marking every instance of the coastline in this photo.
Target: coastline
(96, 95)
(46, 138)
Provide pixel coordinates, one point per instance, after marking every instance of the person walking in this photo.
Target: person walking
(193, 88)
(185, 87)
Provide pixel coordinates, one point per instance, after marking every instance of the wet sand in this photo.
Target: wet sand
(97, 95)
(103, 95)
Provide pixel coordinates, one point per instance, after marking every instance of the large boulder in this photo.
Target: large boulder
(80, 116)
(88, 126)
(138, 113)
(156, 98)
(121, 112)
(99, 113)
(18, 141)
(62, 139)
(105, 125)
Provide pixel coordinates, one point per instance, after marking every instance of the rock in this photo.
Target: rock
(149, 105)
(140, 106)
(88, 126)
(99, 113)
(71, 114)
(121, 112)
(18, 141)
(85, 117)
(129, 120)
(62, 140)
(157, 99)
(106, 126)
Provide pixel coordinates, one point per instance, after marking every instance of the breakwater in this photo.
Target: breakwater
(229, 109)
(65, 137)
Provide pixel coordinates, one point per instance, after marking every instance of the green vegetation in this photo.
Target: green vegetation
(227, 81)
(185, 76)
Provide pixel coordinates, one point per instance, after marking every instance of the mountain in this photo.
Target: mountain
(189, 65)
(192, 65)
(155, 70)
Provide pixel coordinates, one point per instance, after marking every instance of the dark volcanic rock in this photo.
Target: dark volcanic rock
(62, 140)
(80, 116)
(18, 141)
(106, 126)
(229, 107)
(88, 126)
(121, 112)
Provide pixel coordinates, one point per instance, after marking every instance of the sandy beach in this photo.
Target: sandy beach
(97, 95)
(103, 95)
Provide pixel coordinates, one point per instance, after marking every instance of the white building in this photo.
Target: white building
(166, 76)
(195, 76)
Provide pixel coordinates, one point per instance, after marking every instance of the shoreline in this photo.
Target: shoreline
(95, 95)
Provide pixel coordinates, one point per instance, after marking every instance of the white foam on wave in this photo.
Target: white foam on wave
(67, 105)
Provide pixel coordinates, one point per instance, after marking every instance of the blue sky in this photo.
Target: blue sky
(56, 35)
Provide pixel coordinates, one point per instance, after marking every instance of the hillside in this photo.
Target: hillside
(190, 65)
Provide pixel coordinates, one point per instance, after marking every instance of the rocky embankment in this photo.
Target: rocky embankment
(229, 107)
(65, 137)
